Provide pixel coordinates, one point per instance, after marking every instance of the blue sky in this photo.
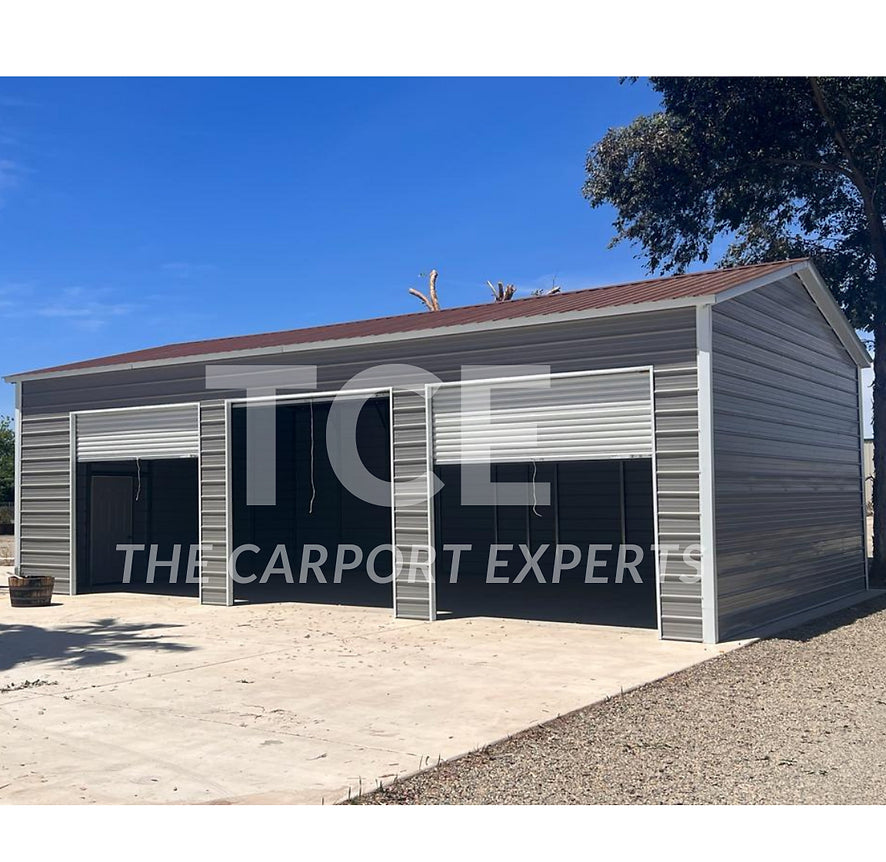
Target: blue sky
(145, 211)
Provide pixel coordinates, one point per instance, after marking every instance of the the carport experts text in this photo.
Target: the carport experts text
(499, 563)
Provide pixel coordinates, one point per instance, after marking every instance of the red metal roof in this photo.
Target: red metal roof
(635, 292)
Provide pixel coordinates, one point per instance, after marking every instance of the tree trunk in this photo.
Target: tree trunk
(878, 571)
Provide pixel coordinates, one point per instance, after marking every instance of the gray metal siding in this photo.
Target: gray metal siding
(787, 459)
(45, 498)
(413, 597)
(660, 338)
(663, 339)
(676, 473)
(213, 503)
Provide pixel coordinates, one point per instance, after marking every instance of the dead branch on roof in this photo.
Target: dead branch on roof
(503, 292)
(431, 301)
(551, 291)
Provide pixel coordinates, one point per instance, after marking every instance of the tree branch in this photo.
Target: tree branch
(422, 297)
(808, 163)
(432, 282)
(872, 214)
(431, 301)
(855, 169)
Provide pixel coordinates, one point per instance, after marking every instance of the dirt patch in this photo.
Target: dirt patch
(28, 683)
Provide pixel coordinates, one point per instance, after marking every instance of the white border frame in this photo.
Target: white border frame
(327, 396)
(72, 419)
(430, 388)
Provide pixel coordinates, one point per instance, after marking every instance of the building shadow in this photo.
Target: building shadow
(356, 589)
(100, 642)
(625, 605)
(812, 629)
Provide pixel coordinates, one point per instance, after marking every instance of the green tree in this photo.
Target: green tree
(7, 460)
(772, 168)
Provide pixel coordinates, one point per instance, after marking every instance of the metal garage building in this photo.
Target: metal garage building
(717, 410)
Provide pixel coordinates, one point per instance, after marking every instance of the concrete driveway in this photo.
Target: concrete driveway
(153, 699)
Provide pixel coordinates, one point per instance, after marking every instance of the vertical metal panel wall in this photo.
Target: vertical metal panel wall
(45, 498)
(663, 339)
(677, 498)
(413, 593)
(788, 467)
(215, 588)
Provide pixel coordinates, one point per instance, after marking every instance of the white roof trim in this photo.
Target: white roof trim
(821, 295)
(760, 281)
(808, 274)
(833, 314)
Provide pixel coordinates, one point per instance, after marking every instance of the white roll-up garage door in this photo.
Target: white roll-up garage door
(556, 418)
(124, 435)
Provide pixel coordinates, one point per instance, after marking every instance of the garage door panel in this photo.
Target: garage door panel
(124, 435)
(560, 418)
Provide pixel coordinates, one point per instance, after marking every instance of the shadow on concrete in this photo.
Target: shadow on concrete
(101, 642)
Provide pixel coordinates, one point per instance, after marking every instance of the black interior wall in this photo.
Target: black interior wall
(591, 503)
(165, 511)
(326, 514)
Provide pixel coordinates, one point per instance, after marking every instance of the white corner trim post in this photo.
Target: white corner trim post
(703, 340)
(429, 478)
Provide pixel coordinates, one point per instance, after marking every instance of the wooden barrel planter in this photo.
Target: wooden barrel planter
(31, 592)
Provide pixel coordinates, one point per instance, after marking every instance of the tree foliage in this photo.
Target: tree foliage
(779, 168)
(783, 167)
(7, 460)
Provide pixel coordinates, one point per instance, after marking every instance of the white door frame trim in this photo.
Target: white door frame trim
(72, 420)
(648, 369)
(327, 396)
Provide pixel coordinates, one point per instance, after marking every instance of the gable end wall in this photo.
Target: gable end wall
(787, 463)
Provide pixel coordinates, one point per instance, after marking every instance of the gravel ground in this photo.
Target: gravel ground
(800, 718)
